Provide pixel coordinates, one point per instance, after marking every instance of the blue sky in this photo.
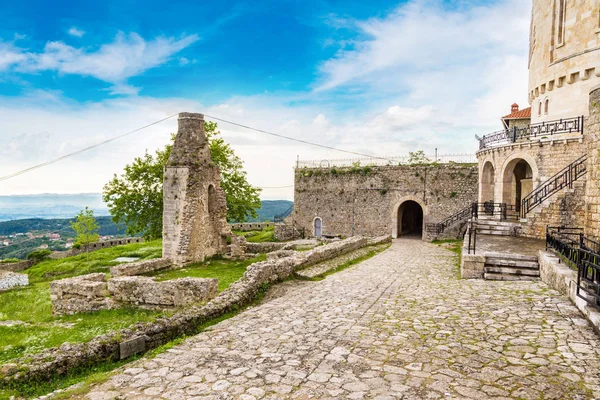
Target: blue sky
(379, 77)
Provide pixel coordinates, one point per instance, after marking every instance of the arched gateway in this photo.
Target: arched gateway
(408, 219)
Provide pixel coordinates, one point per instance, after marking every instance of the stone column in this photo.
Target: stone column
(592, 138)
(194, 209)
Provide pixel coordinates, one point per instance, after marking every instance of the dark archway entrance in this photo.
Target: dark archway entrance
(410, 218)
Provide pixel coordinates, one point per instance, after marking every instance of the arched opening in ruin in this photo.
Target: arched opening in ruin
(318, 227)
(410, 218)
(518, 182)
(487, 182)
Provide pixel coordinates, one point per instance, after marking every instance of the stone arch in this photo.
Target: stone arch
(487, 182)
(317, 227)
(397, 214)
(518, 177)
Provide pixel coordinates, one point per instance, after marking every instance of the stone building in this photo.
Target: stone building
(195, 209)
(564, 57)
(379, 200)
(546, 171)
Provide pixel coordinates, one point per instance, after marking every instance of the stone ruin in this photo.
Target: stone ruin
(93, 292)
(9, 280)
(194, 216)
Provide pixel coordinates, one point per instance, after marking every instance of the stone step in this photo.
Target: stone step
(512, 263)
(511, 256)
(494, 232)
(511, 271)
(496, 227)
(501, 277)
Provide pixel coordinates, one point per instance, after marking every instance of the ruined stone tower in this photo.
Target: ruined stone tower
(195, 209)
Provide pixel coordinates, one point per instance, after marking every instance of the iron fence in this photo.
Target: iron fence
(461, 158)
(501, 211)
(542, 129)
(582, 253)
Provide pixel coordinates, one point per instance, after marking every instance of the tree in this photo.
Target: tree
(86, 228)
(136, 197)
(418, 157)
(39, 255)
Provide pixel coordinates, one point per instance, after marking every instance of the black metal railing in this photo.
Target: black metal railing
(562, 179)
(279, 218)
(472, 245)
(439, 227)
(515, 134)
(582, 253)
(501, 211)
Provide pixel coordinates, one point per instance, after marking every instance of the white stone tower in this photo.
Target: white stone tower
(564, 58)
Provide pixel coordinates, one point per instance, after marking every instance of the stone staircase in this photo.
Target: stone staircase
(490, 226)
(511, 267)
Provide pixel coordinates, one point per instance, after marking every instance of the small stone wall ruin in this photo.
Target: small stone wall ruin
(9, 280)
(140, 267)
(60, 360)
(91, 293)
(145, 291)
(95, 246)
(16, 266)
(251, 226)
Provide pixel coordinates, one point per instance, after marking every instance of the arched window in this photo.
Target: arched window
(540, 109)
(546, 105)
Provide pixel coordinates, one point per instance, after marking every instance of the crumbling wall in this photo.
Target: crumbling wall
(592, 196)
(79, 294)
(140, 267)
(195, 209)
(144, 291)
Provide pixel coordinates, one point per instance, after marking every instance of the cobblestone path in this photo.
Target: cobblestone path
(400, 325)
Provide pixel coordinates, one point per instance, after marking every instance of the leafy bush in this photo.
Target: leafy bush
(39, 255)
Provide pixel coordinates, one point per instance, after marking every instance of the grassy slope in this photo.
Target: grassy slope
(266, 235)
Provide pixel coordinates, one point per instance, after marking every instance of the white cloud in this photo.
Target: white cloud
(127, 56)
(74, 31)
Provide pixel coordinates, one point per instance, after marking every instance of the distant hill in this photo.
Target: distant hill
(49, 205)
(271, 208)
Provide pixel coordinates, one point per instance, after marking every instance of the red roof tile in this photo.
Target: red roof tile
(521, 114)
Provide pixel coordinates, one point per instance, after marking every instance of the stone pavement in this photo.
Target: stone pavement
(400, 325)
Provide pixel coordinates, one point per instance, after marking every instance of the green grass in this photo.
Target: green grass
(227, 271)
(266, 235)
(9, 260)
(376, 250)
(96, 261)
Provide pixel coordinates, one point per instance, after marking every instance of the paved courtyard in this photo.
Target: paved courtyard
(400, 325)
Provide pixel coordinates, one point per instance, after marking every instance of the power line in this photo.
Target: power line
(296, 140)
(38, 166)
(276, 187)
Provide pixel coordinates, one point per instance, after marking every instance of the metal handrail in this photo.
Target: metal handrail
(279, 218)
(549, 128)
(582, 253)
(563, 178)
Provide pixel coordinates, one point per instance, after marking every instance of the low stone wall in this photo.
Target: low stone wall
(79, 294)
(144, 291)
(251, 226)
(285, 232)
(264, 247)
(16, 266)
(472, 266)
(114, 345)
(560, 277)
(140, 267)
(9, 280)
(379, 240)
(95, 246)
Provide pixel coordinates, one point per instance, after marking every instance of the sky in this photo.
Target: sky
(376, 77)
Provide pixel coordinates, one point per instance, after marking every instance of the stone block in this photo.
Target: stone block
(140, 267)
(131, 347)
(79, 294)
(472, 266)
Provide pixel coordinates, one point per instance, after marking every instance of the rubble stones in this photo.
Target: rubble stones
(140, 267)
(9, 280)
(79, 294)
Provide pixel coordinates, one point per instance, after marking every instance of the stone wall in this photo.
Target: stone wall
(592, 225)
(95, 246)
(140, 267)
(368, 201)
(80, 294)
(9, 280)
(287, 231)
(60, 360)
(194, 217)
(144, 291)
(16, 266)
(251, 226)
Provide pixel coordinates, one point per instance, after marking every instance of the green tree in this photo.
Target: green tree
(418, 157)
(86, 228)
(136, 197)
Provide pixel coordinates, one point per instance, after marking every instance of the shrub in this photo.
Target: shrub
(39, 255)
